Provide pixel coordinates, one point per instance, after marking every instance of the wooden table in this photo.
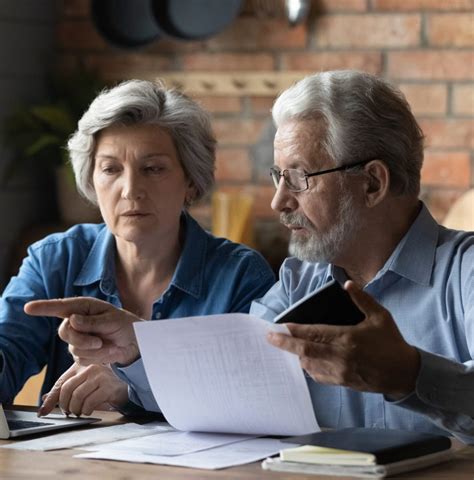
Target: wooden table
(17, 464)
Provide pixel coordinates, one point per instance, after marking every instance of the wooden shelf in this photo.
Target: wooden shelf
(233, 83)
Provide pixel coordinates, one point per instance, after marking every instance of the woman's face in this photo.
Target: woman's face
(140, 183)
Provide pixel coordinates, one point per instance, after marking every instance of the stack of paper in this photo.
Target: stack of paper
(91, 436)
(217, 374)
(194, 450)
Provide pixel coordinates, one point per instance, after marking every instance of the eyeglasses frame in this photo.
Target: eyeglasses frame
(281, 173)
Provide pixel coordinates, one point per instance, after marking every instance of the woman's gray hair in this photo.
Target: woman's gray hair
(144, 102)
(365, 118)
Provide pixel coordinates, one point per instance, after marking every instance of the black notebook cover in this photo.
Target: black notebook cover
(329, 305)
(388, 446)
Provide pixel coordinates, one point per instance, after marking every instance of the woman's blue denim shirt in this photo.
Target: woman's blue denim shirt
(213, 275)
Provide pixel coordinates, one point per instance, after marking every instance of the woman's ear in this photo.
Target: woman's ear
(190, 195)
(377, 184)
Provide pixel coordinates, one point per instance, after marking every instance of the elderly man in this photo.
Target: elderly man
(348, 154)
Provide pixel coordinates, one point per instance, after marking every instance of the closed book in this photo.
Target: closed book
(363, 446)
(327, 456)
(360, 471)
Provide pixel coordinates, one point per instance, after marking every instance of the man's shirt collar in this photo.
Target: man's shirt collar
(407, 260)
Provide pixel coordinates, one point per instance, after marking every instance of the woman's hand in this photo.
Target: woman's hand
(97, 332)
(81, 390)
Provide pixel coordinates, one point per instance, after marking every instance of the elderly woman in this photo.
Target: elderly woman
(142, 153)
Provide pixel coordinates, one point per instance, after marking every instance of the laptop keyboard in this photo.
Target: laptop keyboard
(21, 424)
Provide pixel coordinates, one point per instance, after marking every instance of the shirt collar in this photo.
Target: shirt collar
(99, 264)
(414, 256)
(188, 276)
(189, 273)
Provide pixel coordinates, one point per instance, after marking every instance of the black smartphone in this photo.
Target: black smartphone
(329, 305)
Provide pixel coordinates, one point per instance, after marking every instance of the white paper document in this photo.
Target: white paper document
(247, 451)
(218, 373)
(172, 443)
(90, 436)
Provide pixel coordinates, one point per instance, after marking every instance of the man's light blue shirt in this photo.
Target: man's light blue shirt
(213, 275)
(427, 284)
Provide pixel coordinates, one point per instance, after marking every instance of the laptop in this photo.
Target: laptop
(16, 423)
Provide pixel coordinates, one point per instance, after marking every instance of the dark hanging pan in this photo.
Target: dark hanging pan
(194, 19)
(125, 23)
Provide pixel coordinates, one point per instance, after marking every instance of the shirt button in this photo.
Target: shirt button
(157, 315)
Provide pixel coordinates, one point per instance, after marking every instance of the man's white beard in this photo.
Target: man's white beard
(323, 247)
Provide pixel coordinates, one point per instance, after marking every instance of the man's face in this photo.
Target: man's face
(324, 218)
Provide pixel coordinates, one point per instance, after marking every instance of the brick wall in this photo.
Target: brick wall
(424, 46)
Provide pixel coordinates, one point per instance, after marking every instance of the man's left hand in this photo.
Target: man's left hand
(371, 356)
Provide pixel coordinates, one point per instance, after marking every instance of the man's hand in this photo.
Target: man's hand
(371, 356)
(97, 332)
(81, 390)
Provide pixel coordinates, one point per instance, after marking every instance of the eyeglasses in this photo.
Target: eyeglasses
(297, 180)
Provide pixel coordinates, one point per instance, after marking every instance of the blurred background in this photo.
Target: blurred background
(55, 55)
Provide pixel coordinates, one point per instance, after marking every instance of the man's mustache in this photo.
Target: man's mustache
(295, 220)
